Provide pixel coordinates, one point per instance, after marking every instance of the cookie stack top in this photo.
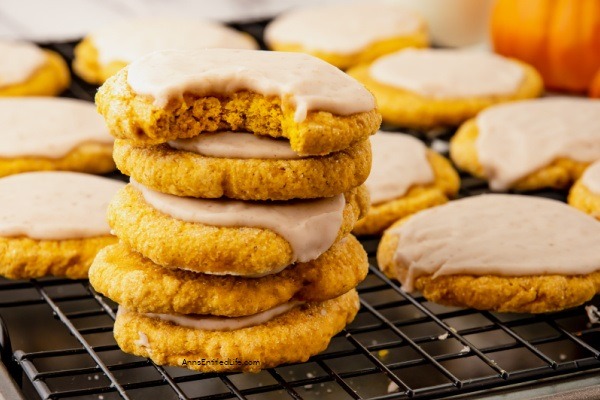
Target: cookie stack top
(172, 94)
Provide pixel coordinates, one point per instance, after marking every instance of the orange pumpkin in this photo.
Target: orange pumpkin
(561, 38)
(595, 88)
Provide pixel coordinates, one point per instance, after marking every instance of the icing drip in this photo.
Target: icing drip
(307, 82)
(310, 226)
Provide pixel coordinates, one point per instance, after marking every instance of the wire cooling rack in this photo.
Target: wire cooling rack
(57, 343)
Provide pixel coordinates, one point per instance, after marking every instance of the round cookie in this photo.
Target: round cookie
(557, 137)
(103, 52)
(53, 223)
(425, 89)
(585, 193)
(142, 286)
(300, 333)
(171, 94)
(505, 253)
(45, 133)
(406, 177)
(347, 34)
(233, 249)
(203, 172)
(27, 70)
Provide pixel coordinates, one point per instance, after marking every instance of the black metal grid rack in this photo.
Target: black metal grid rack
(57, 342)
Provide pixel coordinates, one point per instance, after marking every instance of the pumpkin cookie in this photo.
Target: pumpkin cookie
(172, 94)
(406, 177)
(292, 336)
(347, 34)
(556, 138)
(425, 89)
(45, 133)
(242, 166)
(231, 236)
(142, 286)
(53, 223)
(31, 71)
(505, 253)
(585, 193)
(102, 53)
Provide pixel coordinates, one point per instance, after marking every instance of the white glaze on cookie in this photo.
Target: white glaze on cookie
(399, 163)
(214, 323)
(517, 139)
(48, 127)
(20, 60)
(591, 178)
(448, 74)
(129, 40)
(238, 145)
(55, 205)
(310, 226)
(505, 235)
(308, 83)
(343, 28)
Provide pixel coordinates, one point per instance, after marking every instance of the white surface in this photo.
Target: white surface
(66, 20)
(454, 23)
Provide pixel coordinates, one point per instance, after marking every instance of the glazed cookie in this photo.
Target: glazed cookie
(53, 223)
(231, 236)
(347, 34)
(172, 94)
(105, 51)
(406, 177)
(242, 166)
(27, 70)
(585, 194)
(142, 286)
(506, 253)
(425, 89)
(530, 144)
(45, 133)
(289, 333)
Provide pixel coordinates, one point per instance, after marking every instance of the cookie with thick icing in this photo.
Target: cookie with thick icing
(172, 94)
(139, 285)
(347, 34)
(292, 336)
(429, 88)
(231, 236)
(27, 70)
(406, 177)
(103, 52)
(556, 138)
(506, 253)
(47, 133)
(242, 166)
(53, 223)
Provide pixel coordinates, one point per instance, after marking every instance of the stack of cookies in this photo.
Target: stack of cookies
(246, 167)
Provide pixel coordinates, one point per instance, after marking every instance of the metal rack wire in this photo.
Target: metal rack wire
(399, 346)
(57, 342)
